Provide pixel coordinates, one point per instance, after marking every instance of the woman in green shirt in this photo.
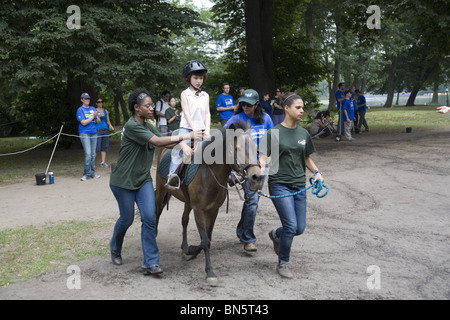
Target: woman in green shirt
(287, 175)
(172, 116)
(131, 181)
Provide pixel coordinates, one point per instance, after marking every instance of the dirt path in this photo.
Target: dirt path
(387, 214)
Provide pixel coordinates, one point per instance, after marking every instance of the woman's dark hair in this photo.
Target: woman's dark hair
(259, 112)
(319, 115)
(288, 98)
(136, 97)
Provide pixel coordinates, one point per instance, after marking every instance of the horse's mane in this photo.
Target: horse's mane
(241, 124)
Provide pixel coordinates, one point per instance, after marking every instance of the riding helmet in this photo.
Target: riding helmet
(193, 66)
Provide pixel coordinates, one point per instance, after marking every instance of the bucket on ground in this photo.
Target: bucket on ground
(40, 178)
(408, 130)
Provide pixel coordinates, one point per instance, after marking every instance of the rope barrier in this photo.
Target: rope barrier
(19, 152)
(316, 187)
(57, 135)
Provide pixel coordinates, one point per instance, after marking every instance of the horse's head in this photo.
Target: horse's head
(242, 156)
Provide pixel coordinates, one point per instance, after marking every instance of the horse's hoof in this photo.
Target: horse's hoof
(187, 257)
(212, 282)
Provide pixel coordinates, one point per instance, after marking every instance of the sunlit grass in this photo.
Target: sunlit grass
(30, 251)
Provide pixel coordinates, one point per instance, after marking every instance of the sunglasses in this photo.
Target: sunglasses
(100, 101)
(246, 105)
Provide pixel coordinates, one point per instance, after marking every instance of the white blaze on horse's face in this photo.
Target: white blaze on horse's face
(246, 159)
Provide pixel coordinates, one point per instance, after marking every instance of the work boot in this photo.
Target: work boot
(250, 247)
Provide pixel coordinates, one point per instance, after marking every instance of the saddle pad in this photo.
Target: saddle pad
(190, 171)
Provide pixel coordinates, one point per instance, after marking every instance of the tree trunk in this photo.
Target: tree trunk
(435, 99)
(116, 111)
(118, 95)
(309, 26)
(258, 26)
(337, 66)
(391, 83)
(412, 96)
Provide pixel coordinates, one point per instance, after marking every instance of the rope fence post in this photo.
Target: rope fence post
(54, 148)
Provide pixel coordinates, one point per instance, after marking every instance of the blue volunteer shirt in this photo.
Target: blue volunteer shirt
(361, 100)
(257, 130)
(348, 105)
(225, 101)
(339, 95)
(102, 124)
(83, 114)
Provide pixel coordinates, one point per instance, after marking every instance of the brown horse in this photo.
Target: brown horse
(232, 149)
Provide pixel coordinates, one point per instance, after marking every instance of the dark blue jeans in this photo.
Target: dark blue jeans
(246, 225)
(145, 200)
(292, 212)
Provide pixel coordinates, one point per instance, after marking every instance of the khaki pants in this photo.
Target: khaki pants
(348, 130)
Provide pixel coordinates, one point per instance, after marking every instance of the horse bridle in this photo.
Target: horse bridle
(242, 170)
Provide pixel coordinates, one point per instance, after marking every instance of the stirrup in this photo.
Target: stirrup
(171, 183)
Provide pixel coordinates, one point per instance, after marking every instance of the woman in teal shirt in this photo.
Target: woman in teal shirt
(131, 180)
(287, 175)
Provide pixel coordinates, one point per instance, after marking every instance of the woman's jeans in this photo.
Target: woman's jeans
(292, 212)
(89, 142)
(145, 200)
(246, 225)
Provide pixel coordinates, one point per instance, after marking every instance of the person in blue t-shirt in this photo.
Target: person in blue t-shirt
(362, 108)
(348, 114)
(87, 117)
(339, 95)
(103, 132)
(250, 109)
(225, 104)
(355, 107)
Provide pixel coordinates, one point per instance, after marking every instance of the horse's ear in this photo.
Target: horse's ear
(248, 125)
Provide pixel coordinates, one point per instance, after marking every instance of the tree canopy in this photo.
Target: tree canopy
(119, 46)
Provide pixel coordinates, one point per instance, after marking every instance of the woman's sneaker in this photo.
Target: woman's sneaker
(104, 165)
(285, 272)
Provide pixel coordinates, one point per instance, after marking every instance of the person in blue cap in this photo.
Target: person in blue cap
(87, 117)
(250, 110)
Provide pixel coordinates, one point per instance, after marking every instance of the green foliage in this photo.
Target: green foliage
(119, 46)
(42, 109)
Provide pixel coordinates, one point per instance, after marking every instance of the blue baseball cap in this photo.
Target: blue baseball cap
(85, 96)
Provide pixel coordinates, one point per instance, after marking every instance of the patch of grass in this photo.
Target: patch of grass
(30, 251)
(379, 118)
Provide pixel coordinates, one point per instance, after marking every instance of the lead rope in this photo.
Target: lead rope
(316, 187)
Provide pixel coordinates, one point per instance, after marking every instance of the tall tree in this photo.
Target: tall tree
(258, 17)
(118, 46)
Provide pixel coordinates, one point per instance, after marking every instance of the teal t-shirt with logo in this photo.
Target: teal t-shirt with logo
(288, 162)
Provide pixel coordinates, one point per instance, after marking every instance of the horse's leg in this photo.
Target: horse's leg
(184, 223)
(205, 230)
